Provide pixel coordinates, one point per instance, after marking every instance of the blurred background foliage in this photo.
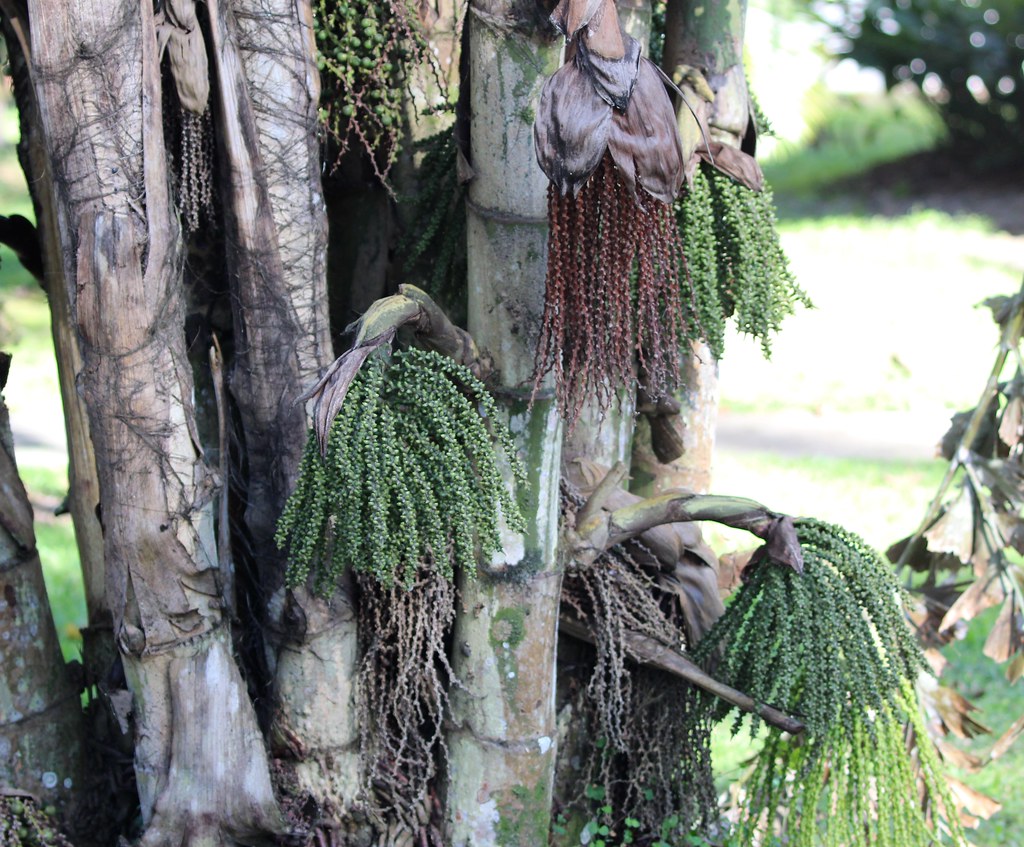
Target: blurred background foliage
(966, 56)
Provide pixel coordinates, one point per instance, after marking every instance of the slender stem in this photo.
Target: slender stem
(1008, 342)
(649, 651)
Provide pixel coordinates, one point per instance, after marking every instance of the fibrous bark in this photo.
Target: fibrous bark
(275, 225)
(97, 79)
(98, 650)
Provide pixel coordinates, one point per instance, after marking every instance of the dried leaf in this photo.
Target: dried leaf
(920, 558)
(730, 570)
(1015, 669)
(644, 141)
(571, 129)
(980, 595)
(613, 79)
(952, 709)
(666, 438)
(1003, 478)
(975, 802)
(733, 163)
(593, 21)
(570, 16)
(936, 661)
(959, 758)
(330, 391)
(1010, 422)
(1007, 634)
(1007, 738)
(695, 587)
(953, 531)
(984, 443)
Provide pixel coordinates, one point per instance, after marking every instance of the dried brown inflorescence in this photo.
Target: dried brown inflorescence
(606, 138)
(404, 679)
(651, 756)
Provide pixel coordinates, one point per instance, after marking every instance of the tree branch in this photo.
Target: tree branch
(648, 651)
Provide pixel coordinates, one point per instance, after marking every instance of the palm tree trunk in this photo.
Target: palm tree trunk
(502, 747)
(202, 773)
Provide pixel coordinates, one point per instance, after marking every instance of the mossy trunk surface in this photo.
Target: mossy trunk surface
(502, 746)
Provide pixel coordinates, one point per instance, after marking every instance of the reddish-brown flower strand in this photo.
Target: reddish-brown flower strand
(612, 300)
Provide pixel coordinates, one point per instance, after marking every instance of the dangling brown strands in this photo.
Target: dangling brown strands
(612, 299)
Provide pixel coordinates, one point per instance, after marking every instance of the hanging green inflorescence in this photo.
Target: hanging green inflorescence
(409, 476)
(437, 229)
(365, 49)
(734, 260)
(877, 781)
(826, 645)
(832, 647)
(25, 823)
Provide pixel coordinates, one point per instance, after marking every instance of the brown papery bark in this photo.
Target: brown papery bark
(97, 77)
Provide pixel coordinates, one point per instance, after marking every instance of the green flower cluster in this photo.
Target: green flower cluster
(365, 47)
(831, 646)
(828, 645)
(24, 823)
(436, 235)
(734, 260)
(410, 476)
(859, 784)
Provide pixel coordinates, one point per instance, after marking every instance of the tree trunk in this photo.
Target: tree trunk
(276, 227)
(692, 428)
(98, 650)
(40, 716)
(98, 86)
(502, 747)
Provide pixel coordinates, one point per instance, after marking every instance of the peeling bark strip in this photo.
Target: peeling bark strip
(502, 746)
(272, 360)
(40, 716)
(98, 86)
(83, 486)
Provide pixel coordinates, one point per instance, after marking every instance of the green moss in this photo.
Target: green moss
(508, 627)
(524, 821)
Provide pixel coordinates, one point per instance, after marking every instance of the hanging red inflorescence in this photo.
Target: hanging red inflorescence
(612, 298)
(606, 137)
